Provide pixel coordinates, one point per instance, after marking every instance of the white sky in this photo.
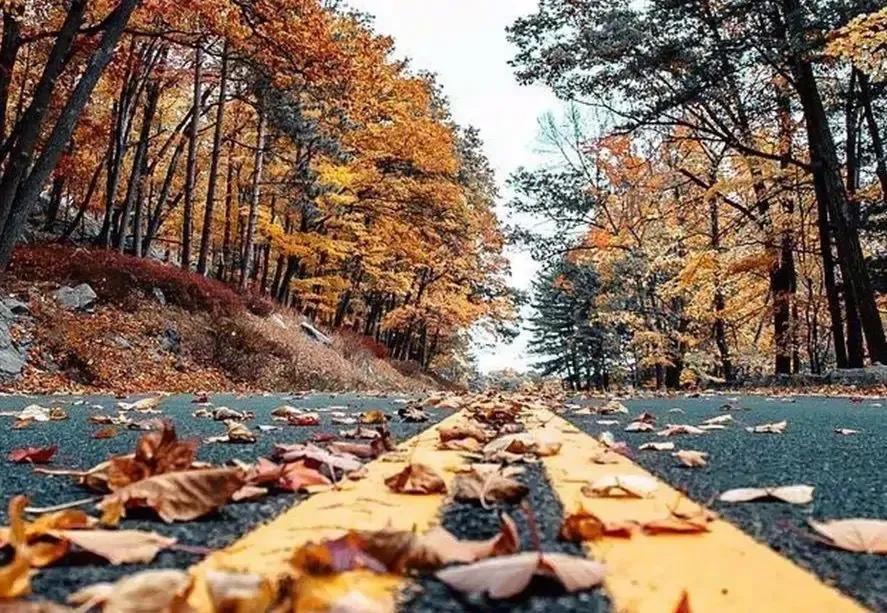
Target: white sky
(464, 43)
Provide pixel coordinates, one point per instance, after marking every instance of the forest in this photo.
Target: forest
(718, 187)
(276, 145)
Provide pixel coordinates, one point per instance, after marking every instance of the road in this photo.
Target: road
(848, 473)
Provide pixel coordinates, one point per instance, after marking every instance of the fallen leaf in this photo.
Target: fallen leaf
(673, 429)
(237, 433)
(372, 417)
(691, 458)
(677, 525)
(586, 526)
(249, 493)
(234, 592)
(793, 494)
(178, 496)
(225, 414)
(144, 405)
(612, 407)
(637, 486)
(487, 483)
(105, 433)
(463, 430)
(316, 457)
(15, 577)
(639, 426)
(305, 420)
(117, 546)
(296, 476)
(718, 420)
(774, 428)
(412, 415)
(438, 547)
(150, 590)
(32, 455)
(606, 456)
(470, 445)
(416, 479)
(846, 431)
(857, 535)
(507, 576)
(156, 453)
(657, 446)
(683, 605)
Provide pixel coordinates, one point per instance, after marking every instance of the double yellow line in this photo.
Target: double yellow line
(721, 571)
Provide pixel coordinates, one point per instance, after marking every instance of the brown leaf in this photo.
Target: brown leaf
(236, 433)
(263, 472)
(232, 592)
(249, 493)
(416, 479)
(507, 576)
(691, 458)
(178, 496)
(316, 457)
(468, 444)
(683, 605)
(156, 453)
(117, 546)
(150, 590)
(296, 476)
(104, 433)
(463, 430)
(485, 484)
(32, 455)
(373, 417)
(637, 486)
(678, 525)
(438, 547)
(307, 419)
(857, 535)
(15, 577)
(586, 526)
(774, 428)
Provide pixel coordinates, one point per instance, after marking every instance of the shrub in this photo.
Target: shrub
(115, 277)
(260, 305)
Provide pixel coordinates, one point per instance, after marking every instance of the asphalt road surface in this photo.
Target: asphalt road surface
(847, 471)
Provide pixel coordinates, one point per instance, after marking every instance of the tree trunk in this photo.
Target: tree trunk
(254, 196)
(877, 141)
(206, 233)
(9, 48)
(191, 168)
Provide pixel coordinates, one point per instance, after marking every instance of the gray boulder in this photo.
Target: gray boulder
(171, 340)
(15, 305)
(6, 315)
(76, 298)
(11, 359)
(158, 295)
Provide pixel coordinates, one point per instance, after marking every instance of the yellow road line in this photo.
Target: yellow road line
(367, 504)
(722, 571)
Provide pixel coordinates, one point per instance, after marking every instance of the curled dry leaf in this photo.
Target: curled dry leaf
(296, 476)
(316, 457)
(32, 455)
(673, 429)
(487, 483)
(657, 446)
(677, 525)
(470, 445)
(238, 592)
(718, 420)
(373, 417)
(773, 428)
(468, 429)
(636, 486)
(225, 414)
(176, 496)
(358, 450)
(305, 420)
(438, 547)
(612, 407)
(607, 422)
(117, 546)
(361, 432)
(639, 426)
(857, 535)
(586, 526)
(606, 456)
(105, 433)
(156, 453)
(15, 577)
(150, 590)
(145, 405)
(237, 433)
(846, 431)
(691, 458)
(523, 443)
(286, 411)
(793, 494)
(507, 576)
(416, 479)
(412, 415)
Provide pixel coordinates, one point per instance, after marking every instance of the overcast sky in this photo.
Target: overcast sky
(464, 43)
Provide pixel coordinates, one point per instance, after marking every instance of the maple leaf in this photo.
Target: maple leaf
(32, 455)
(156, 453)
(416, 479)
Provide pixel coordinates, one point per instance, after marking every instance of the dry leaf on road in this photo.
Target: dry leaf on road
(150, 590)
(857, 535)
(32, 455)
(487, 483)
(586, 526)
(639, 426)
(674, 429)
(297, 476)
(846, 431)
(793, 494)
(416, 479)
(635, 486)
(156, 453)
(774, 428)
(507, 576)
(657, 447)
(176, 496)
(691, 458)
(117, 546)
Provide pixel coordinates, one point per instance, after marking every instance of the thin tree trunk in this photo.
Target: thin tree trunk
(191, 168)
(206, 233)
(254, 196)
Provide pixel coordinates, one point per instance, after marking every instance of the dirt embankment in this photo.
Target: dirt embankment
(150, 326)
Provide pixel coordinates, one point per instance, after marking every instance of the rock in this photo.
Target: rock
(158, 295)
(15, 305)
(76, 298)
(11, 358)
(6, 314)
(171, 340)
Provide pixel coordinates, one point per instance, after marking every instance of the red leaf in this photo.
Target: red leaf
(32, 455)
